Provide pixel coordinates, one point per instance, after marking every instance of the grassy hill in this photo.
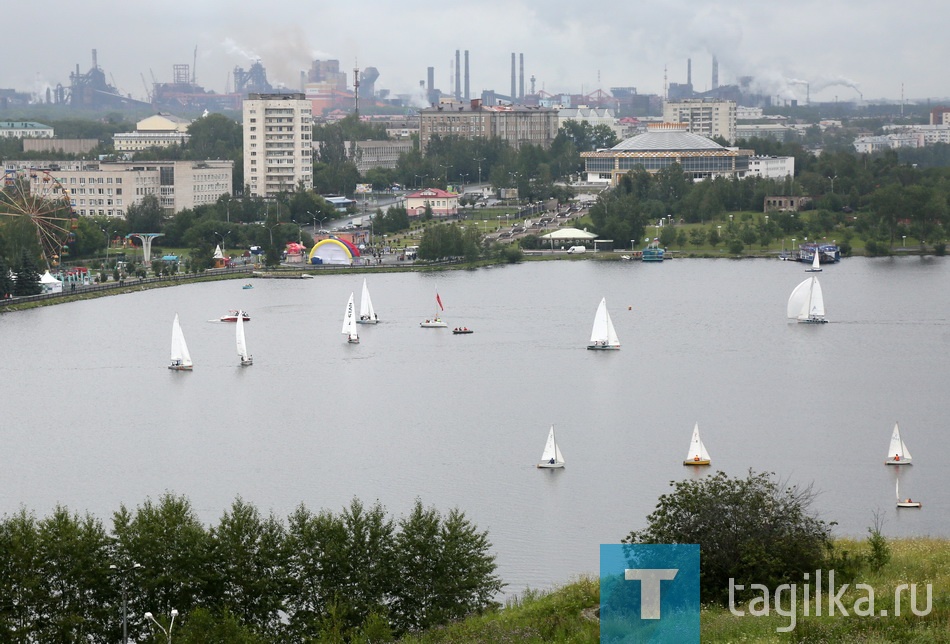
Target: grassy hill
(568, 614)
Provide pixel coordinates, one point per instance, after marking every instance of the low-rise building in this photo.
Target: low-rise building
(442, 203)
(109, 188)
(25, 130)
(771, 167)
(516, 124)
(157, 131)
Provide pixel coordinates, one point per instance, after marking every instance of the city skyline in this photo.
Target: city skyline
(847, 50)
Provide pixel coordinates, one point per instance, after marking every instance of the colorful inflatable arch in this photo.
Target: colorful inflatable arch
(333, 251)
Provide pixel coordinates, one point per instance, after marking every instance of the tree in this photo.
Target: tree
(754, 530)
(27, 276)
(147, 216)
(7, 282)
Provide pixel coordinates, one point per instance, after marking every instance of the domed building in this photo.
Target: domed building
(662, 145)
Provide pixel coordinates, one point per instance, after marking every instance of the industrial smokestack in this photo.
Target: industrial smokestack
(689, 72)
(458, 76)
(514, 87)
(521, 77)
(715, 73)
(468, 95)
(430, 78)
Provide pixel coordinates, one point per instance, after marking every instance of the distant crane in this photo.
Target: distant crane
(148, 94)
(194, 66)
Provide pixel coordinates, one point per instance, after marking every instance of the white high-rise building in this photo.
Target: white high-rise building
(278, 150)
(706, 117)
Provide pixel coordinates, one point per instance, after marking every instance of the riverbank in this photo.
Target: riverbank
(569, 614)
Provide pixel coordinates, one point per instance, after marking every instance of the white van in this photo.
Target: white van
(576, 249)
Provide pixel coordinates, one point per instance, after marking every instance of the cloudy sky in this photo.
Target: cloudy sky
(841, 48)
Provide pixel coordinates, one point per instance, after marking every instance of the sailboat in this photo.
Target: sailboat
(349, 322)
(806, 303)
(697, 454)
(603, 336)
(906, 503)
(435, 322)
(181, 358)
(551, 457)
(897, 452)
(367, 312)
(815, 262)
(246, 359)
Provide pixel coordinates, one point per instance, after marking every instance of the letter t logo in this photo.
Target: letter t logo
(650, 579)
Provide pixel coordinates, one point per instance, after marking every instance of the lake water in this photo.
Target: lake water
(92, 418)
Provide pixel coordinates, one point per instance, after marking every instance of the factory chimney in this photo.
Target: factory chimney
(715, 73)
(514, 88)
(467, 93)
(521, 77)
(689, 73)
(458, 76)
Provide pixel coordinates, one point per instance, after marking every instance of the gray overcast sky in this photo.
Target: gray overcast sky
(840, 47)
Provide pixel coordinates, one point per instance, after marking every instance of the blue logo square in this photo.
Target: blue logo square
(649, 593)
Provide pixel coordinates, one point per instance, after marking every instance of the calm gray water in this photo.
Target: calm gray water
(92, 418)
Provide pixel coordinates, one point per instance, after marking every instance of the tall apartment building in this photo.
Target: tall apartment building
(516, 124)
(706, 117)
(278, 147)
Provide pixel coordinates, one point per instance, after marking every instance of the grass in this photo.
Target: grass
(568, 613)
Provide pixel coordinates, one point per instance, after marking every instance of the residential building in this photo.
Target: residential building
(25, 130)
(65, 146)
(662, 145)
(160, 130)
(109, 188)
(442, 203)
(771, 167)
(278, 146)
(706, 117)
(516, 124)
(377, 154)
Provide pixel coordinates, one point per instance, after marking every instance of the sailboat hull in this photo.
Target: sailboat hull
(696, 463)
(908, 504)
(597, 347)
(433, 325)
(550, 466)
(367, 321)
(814, 321)
(891, 461)
(179, 367)
(247, 363)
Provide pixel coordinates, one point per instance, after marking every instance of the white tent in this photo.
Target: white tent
(565, 234)
(50, 284)
(217, 252)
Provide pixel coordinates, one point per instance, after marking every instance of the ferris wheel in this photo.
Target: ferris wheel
(36, 197)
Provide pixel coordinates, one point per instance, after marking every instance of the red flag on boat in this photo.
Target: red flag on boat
(439, 300)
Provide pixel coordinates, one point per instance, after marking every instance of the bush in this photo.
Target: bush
(754, 530)
(736, 246)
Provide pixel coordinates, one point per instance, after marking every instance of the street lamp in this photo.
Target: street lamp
(168, 633)
(125, 604)
(903, 241)
(108, 235)
(833, 183)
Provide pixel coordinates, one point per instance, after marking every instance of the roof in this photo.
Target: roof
(665, 137)
(569, 233)
(426, 193)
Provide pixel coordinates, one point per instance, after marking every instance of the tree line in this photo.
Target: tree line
(356, 575)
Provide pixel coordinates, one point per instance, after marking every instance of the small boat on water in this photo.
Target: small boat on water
(815, 263)
(435, 322)
(806, 303)
(349, 322)
(697, 454)
(246, 359)
(602, 335)
(904, 503)
(897, 452)
(461, 330)
(367, 312)
(233, 314)
(551, 457)
(180, 356)
(247, 286)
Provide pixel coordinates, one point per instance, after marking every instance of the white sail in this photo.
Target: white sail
(551, 456)
(697, 451)
(806, 301)
(241, 341)
(367, 312)
(603, 335)
(349, 321)
(180, 357)
(815, 262)
(897, 451)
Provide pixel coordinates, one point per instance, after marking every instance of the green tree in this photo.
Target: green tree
(755, 530)
(7, 282)
(27, 276)
(20, 578)
(147, 216)
(215, 136)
